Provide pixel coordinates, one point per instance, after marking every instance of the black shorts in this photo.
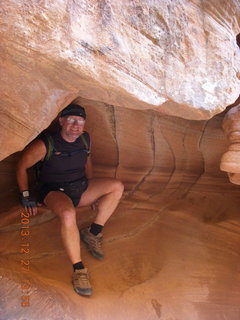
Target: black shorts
(73, 189)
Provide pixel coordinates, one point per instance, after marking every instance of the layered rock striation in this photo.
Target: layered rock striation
(180, 58)
(155, 78)
(230, 159)
(172, 247)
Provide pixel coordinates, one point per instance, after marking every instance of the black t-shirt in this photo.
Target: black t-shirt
(67, 162)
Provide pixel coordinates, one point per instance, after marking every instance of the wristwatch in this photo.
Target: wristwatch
(25, 194)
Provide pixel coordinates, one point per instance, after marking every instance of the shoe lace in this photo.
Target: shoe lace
(82, 277)
(97, 242)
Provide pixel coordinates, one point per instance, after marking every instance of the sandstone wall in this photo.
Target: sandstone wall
(148, 151)
(155, 78)
(172, 245)
(177, 57)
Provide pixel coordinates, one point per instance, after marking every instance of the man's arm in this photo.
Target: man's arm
(31, 155)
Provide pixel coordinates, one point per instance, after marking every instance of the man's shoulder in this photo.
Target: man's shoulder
(35, 149)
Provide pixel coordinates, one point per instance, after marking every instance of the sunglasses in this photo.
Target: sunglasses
(77, 121)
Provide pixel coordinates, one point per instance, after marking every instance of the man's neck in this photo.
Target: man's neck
(67, 138)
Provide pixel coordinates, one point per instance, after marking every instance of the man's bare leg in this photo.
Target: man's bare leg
(62, 205)
(108, 192)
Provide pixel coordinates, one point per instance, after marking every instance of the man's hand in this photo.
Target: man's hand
(30, 205)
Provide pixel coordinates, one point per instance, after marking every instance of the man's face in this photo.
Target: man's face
(72, 127)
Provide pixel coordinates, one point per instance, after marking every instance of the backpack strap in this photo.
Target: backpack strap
(84, 140)
(50, 148)
(49, 143)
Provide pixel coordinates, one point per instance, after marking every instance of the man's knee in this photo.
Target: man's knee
(118, 187)
(68, 217)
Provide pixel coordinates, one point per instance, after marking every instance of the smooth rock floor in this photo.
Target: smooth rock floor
(177, 261)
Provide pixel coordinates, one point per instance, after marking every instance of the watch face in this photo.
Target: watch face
(25, 193)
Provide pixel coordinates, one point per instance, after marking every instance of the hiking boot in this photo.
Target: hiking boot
(80, 281)
(93, 243)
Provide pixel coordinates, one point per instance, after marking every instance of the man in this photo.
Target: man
(67, 182)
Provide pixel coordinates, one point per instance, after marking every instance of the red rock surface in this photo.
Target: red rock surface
(230, 159)
(172, 247)
(177, 57)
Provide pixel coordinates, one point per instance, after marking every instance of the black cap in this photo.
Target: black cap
(73, 110)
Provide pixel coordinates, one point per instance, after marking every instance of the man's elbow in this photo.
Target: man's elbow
(21, 166)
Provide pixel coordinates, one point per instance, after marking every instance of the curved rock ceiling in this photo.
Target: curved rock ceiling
(177, 57)
(155, 78)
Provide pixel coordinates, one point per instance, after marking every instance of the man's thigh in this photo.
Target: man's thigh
(97, 188)
(58, 202)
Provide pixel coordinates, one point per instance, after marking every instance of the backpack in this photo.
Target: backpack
(51, 149)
